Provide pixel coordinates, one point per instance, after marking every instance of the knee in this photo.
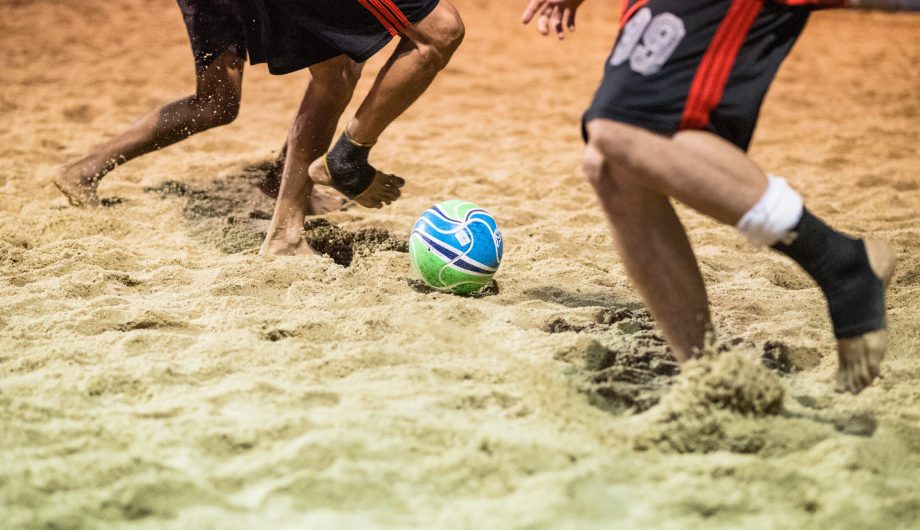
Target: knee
(450, 36)
(444, 38)
(606, 162)
(337, 80)
(619, 145)
(225, 111)
(606, 167)
(218, 94)
(217, 107)
(346, 79)
(593, 166)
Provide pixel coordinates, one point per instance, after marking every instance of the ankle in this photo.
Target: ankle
(355, 134)
(90, 169)
(286, 233)
(840, 266)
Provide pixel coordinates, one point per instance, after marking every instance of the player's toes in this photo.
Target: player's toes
(862, 380)
(860, 360)
(842, 383)
(391, 181)
(371, 203)
(389, 193)
(875, 368)
(855, 378)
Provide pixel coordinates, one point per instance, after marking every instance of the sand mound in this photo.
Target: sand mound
(711, 406)
(623, 364)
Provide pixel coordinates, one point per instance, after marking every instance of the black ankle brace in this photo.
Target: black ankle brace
(839, 264)
(348, 168)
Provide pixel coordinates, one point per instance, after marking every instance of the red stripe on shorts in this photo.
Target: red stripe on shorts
(394, 20)
(382, 16)
(709, 81)
(394, 9)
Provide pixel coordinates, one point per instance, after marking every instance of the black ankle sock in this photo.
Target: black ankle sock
(348, 167)
(839, 264)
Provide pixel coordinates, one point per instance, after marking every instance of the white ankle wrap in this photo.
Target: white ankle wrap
(774, 215)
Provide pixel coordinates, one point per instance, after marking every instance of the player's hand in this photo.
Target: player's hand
(555, 16)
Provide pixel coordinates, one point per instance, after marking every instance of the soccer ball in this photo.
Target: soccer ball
(456, 246)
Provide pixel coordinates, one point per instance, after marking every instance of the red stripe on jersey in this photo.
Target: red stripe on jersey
(403, 21)
(709, 81)
(381, 17)
(628, 13)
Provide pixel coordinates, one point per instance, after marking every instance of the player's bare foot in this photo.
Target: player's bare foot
(345, 168)
(76, 185)
(861, 357)
(286, 242)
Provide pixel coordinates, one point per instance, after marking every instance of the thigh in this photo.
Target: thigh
(222, 78)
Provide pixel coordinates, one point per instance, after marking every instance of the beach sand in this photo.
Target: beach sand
(156, 373)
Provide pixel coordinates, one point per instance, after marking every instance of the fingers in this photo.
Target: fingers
(532, 9)
(556, 16)
(568, 18)
(556, 22)
(543, 21)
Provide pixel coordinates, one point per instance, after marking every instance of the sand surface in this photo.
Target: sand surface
(156, 373)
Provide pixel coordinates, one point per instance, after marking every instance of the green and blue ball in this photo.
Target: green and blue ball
(456, 246)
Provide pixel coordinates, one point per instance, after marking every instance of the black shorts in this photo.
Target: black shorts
(294, 34)
(698, 64)
(213, 29)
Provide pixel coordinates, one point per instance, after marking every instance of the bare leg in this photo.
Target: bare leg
(423, 51)
(654, 248)
(699, 169)
(633, 172)
(328, 93)
(216, 102)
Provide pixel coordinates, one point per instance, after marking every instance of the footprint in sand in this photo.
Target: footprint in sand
(342, 245)
(626, 320)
